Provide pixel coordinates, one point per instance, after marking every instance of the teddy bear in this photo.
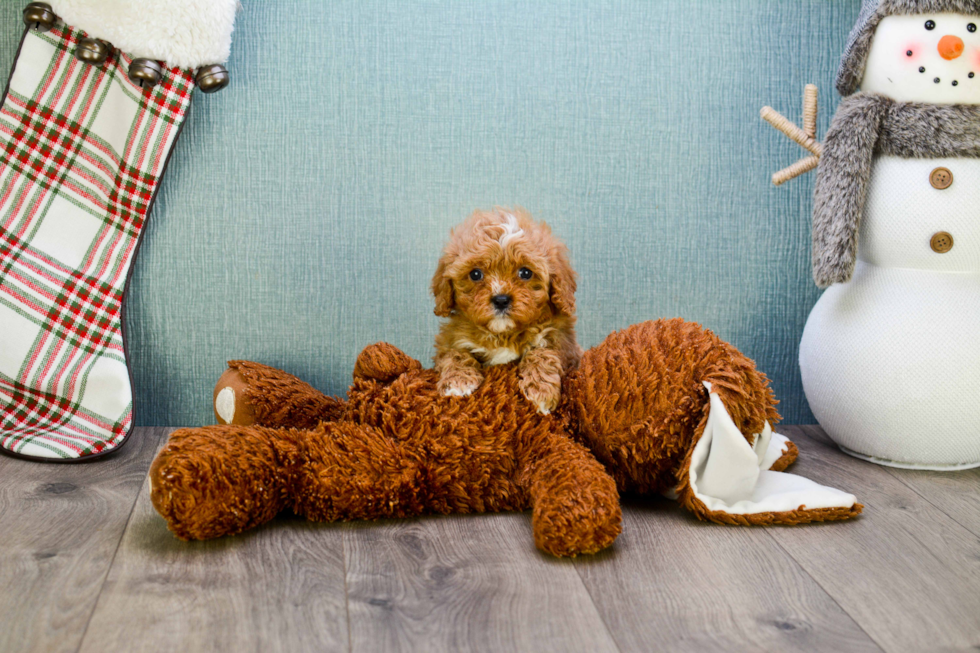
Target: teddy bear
(662, 407)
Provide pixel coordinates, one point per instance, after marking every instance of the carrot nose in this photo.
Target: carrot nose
(950, 47)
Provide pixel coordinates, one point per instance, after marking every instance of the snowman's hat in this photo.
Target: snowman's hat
(872, 11)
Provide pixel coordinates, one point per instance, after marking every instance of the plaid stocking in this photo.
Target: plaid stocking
(83, 149)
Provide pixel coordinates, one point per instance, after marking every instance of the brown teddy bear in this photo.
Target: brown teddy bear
(661, 407)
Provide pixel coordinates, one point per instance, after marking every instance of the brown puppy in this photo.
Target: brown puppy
(505, 283)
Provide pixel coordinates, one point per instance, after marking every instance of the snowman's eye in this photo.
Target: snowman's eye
(972, 27)
(930, 25)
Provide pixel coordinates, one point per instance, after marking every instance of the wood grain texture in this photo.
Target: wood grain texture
(465, 583)
(276, 588)
(673, 583)
(954, 493)
(60, 526)
(957, 494)
(88, 565)
(905, 571)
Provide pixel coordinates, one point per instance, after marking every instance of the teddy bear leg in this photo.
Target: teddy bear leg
(353, 471)
(221, 480)
(251, 393)
(575, 501)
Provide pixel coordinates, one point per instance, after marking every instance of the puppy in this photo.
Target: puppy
(505, 283)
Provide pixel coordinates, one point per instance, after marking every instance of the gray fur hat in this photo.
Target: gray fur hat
(872, 11)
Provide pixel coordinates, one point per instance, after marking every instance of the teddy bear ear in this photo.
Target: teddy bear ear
(562, 282)
(442, 288)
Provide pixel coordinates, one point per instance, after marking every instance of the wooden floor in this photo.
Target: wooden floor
(86, 564)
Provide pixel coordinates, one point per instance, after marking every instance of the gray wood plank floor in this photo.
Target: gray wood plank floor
(86, 564)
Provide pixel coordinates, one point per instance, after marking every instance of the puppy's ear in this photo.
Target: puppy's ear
(442, 288)
(562, 281)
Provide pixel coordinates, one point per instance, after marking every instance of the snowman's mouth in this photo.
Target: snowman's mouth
(937, 80)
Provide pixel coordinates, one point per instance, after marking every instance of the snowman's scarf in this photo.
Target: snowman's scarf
(867, 125)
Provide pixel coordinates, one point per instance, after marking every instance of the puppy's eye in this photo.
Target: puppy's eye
(525, 273)
(930, 25)
(972, 27)
(476, 275)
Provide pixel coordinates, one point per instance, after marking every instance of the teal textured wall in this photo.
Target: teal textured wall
(306, 204)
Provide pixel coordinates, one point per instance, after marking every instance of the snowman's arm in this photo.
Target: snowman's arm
(842, 185)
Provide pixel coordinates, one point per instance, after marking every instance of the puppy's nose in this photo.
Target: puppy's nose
(501, 302)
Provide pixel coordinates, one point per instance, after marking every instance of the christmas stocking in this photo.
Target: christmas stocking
(94, 105)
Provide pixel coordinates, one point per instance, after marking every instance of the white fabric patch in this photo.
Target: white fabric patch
(777, 447)
(727, 473)
(18, 338)
(70, 237)
(115, 124)
(32, 64)
(185, 33)
(107, 390)
(224, 405)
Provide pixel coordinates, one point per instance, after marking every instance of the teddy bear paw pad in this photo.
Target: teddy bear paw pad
(224, 405)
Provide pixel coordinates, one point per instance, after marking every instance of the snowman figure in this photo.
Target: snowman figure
(890, 355)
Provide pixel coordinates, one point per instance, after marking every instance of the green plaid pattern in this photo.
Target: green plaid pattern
(83, 149)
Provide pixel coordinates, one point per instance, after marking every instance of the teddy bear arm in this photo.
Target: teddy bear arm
(221, 480)
(575, 503)
(251, 393)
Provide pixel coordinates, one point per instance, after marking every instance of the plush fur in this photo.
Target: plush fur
(537, 327)
(855, 57)
(397, 447)
(842, 186)
(184, 33)
(864, 126)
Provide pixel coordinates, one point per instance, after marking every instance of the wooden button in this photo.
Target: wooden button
(941, 178)
(941, 242)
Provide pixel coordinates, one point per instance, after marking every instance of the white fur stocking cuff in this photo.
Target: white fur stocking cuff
(184, 33)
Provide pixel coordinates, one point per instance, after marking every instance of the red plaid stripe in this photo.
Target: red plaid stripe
(83, 149)
(43, 145)
(84, 313)
(170, 98)
(130, 199)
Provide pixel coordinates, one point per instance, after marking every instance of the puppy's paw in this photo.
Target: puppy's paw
(459, 385)
(544, 395)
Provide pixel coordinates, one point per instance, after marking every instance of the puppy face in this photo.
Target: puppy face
(503, 271)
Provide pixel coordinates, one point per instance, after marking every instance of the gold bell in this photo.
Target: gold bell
(145, 72)
(212, 78)
(92, 51)
(38, 15)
